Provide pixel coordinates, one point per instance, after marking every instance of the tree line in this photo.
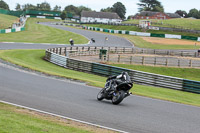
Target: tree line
(118, 7)
(156, 6)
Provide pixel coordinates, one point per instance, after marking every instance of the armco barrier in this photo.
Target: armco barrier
(138, 77)
(191, 86)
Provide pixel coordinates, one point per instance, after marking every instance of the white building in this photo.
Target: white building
(99, 17)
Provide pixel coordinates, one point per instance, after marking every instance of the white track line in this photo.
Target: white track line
(44, 112)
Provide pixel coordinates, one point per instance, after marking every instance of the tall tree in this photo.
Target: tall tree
(63, 15)
(18, 7)
(44, 6)
(29, 7)
(120, 9)
(4, 5)
(182, 13)
(83, 8)
(72, 9)
(108, 9)
(150, 5)
(57, 8)
(194, 13)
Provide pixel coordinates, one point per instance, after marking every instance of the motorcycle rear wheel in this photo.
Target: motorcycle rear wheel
(100, 95)
(118, 97)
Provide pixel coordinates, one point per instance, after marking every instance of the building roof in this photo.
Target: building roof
(173, 15)
(109, 15)
(150, 13)
(147, 13)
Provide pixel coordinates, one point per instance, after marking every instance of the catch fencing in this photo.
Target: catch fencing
(133, 56)
(126, 50)
(153, 60)
(60, 57)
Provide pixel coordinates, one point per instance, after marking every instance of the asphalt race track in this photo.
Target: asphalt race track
(76, 100)
(98, 37)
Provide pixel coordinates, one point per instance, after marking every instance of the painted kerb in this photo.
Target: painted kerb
(56, 56)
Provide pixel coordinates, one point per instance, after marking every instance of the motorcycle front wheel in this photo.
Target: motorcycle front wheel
(118, 97)
(100, 95)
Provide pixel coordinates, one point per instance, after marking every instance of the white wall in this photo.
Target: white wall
(99, 20)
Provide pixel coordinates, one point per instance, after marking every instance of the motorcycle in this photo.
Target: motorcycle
(117, 92)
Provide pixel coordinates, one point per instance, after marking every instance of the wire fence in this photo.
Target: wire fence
(153, 60)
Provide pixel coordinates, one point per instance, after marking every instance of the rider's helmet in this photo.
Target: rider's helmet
(125, 76)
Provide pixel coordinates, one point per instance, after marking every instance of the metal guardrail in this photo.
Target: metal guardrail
(125, 50)
(57, 56)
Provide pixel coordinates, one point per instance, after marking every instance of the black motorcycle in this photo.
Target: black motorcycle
(118, 91)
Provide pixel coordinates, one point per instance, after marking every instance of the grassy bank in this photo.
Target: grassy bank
(33, 59)
(186, 73)
(135, 28)
(17, 120)
(182, 22)
(36, 33)
(141, 43)
(6, 21)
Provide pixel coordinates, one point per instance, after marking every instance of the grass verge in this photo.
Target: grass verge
(33, 59)
(6, 21)
(141, 43)
(172, 23)
(135, 28)
(36, 33)
(186, 73)
(17, 120)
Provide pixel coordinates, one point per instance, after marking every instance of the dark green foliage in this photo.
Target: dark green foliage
(194, 13)
(4, 5)
(57, 8)
(63, 15)
(108, 9)
(182, 13)
(150, 5)
(76, 10)
(120, 9)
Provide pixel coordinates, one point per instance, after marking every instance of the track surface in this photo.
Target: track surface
(99, 37)
(135, 114)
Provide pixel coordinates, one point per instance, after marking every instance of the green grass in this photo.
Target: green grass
(16, 120)
(139, 42)
(33, 59)
(182, 22)
(36, 33)
(186, 73)
(6, 21)
(135, 28)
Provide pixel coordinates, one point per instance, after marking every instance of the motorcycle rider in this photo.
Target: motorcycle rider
(116, 80)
